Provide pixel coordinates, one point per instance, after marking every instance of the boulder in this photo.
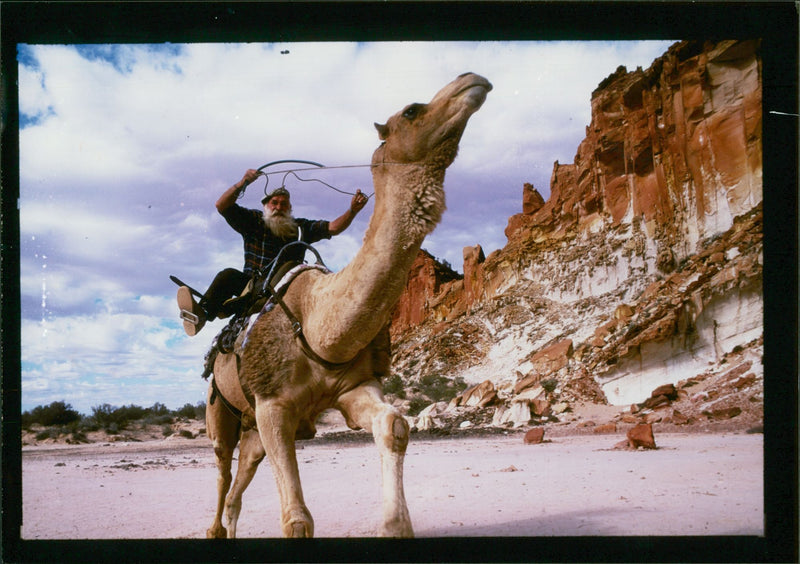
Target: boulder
(531, 379)
(434, 409)
(722, 413)
(552, 358)
(534, 436)
(654, 402)
(518, 413)
(480, 395)
(606, 428)
(641, 436)
(541, 407)
(667, 390)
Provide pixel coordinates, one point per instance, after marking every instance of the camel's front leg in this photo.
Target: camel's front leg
(277, 426)
(251, 453)
(364, 407)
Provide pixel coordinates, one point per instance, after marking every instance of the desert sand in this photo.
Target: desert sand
(571, 485)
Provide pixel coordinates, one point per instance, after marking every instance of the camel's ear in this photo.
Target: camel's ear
(383, 131)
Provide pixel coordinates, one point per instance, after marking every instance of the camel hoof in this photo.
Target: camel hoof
(404, 533)
(218, 532)
(299, 531)
(397, 528)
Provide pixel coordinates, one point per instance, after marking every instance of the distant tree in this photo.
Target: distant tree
(107, 415)
(103, 414)
(57, 413)
(158, 409)
(187, 411)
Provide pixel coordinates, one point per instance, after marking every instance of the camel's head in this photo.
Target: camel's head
(429, 133)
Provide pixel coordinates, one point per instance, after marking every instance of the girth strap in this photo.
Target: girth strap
(216, 393)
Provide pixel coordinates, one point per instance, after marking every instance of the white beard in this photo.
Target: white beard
(283, 226)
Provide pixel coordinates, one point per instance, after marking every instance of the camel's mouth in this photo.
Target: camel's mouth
(475, 91)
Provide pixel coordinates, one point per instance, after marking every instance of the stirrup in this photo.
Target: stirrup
(190, 317)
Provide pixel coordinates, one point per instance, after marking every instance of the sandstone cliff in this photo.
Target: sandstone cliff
(643, 267)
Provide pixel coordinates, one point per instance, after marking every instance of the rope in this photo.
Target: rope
(316, 166)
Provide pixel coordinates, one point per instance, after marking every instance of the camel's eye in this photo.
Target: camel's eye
(412, 111)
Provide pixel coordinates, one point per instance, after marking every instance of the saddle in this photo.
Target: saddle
(258, 298)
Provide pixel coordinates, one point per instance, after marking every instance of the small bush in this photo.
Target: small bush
(166, 430)
(549, 385)
(394, 385)
(441, 388)
(78, 437)
(416, 405)
(158, 419)
(47, 434)
(186, 434)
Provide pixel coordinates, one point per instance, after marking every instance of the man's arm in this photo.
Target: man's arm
(228, 197)
(343, 221)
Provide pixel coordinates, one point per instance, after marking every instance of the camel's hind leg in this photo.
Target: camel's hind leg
(251, 453)
(223, 430)
(277, 426)
(364, 407)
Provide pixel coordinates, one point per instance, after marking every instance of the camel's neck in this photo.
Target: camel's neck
(349, 308)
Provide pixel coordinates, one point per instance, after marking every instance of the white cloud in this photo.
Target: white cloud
(125, 149)
(116, 354)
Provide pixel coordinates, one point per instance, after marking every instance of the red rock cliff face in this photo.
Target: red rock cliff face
(642, 269)
(677, 146)
(427, 279)
(672, 155)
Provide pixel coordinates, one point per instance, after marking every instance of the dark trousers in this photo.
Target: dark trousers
(227, 284)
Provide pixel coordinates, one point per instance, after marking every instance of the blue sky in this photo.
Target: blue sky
(125, 148)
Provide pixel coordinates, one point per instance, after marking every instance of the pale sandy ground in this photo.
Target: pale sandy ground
(693, 484)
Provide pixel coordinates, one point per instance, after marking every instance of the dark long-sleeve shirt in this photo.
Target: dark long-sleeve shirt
(261, 246)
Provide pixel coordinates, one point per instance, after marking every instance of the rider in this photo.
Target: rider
(264, 233)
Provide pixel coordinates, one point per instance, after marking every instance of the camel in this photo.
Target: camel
(281, 384)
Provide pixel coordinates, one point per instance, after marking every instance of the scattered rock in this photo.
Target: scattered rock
(607, 428)
(541, 407)
(511, 468)
(679, 418)
(723, 413)
(434, 409)
(553, 358)
(519, 413)
(641, 436)
(560, 407)
(480, 395)
(534, 436)
(745, 381)
(667, 390)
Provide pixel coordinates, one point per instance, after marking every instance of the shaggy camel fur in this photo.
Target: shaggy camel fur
(345, 321)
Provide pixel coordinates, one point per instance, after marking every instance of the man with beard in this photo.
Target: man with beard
(264, 234)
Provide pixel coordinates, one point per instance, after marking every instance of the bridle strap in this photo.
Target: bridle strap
(297, 332)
